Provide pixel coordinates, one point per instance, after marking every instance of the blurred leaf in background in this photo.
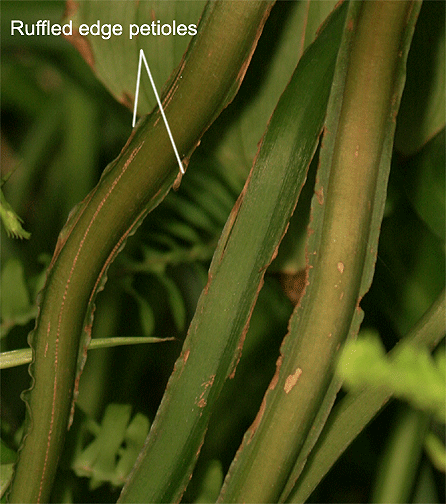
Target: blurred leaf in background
(114, 449)
(413, 376)
(114, 59)
(11, 221)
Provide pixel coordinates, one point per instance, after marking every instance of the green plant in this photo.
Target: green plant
(331, 134)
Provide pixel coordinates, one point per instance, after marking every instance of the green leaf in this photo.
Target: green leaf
(114, 59)
(8, 457)
(436, 451)
(15, 306)
(422, 113)
(11, 220)
(111, 455)
(146, 315)
(134, 438)
(201, 207)
(411, 272)
(175, 301)
(414, 376)
(426, 489)
(6, 454)
(400, 461)
(424, 180)
(7, 470)
(80, 127)
(38, 145)
(211, 483)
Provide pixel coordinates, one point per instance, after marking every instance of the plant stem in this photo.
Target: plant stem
(346, 217)
(399, 464)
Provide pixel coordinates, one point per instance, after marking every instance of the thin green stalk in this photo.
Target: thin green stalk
(346, 215)
(22, 356)
(400, 462)
(97, 229)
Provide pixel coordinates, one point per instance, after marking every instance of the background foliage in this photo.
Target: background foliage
(60, 127)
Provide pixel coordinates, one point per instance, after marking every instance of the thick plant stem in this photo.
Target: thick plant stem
(97, 230)
(346, 215)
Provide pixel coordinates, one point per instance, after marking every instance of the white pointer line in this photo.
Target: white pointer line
(138, 78)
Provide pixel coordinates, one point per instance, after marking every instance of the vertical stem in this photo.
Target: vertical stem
(346, 215)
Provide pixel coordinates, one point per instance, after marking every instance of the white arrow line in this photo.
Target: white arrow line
(138, 78)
